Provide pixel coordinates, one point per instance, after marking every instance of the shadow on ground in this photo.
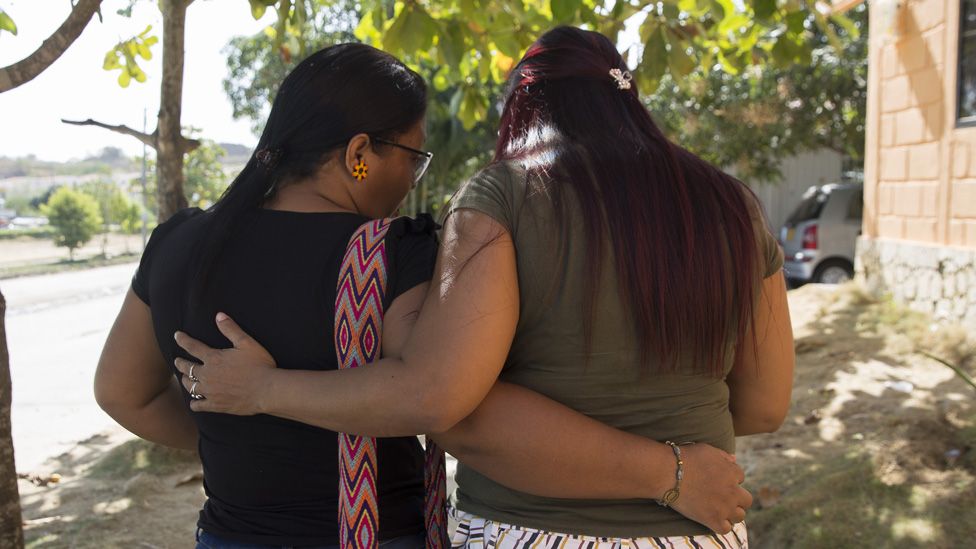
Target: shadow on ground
(880, 446)
(132, 495)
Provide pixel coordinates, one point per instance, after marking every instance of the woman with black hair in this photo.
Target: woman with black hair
(341, 146)
(441, 377)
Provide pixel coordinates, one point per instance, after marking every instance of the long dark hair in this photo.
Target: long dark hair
(331, 96)
(682, 239)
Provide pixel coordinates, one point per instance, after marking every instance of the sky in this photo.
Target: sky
(76, 86)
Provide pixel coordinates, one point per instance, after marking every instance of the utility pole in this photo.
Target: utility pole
(145, 204)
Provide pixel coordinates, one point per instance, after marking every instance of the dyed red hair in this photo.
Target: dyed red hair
(681, 234)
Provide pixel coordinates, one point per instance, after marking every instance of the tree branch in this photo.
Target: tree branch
(51, 49)
(190, 144)
(147, 138)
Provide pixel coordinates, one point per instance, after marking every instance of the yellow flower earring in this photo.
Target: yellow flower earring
(360, 170)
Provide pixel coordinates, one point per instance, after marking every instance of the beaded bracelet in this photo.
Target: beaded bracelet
(671, 495)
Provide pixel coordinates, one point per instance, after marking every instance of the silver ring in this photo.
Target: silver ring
(193, 391)
(190, 375)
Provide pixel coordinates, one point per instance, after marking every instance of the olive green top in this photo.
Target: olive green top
(547, 356)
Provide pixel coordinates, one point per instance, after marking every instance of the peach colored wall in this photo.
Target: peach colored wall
(920, 169)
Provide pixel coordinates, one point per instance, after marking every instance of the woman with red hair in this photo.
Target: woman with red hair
(604, 267)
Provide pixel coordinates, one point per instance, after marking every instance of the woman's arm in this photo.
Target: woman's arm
(135, 386)
(761, 380)
(538, 463)
(604, 462)
(448, 367)
(528, 442)
(452, 359)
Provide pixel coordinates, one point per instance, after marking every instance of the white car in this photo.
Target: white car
(819, 237)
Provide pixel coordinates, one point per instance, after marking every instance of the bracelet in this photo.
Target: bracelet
(671, 495)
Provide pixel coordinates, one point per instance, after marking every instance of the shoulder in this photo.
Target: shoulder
(755, 208)
(157, 242)
(411, 244)
(178, 219)
(502, 174)
(498, 190)
(413, 235)
(421, 227)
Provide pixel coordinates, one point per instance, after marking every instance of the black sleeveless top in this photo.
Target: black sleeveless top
(270, 480)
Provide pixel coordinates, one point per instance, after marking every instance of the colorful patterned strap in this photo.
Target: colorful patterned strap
(359, 311)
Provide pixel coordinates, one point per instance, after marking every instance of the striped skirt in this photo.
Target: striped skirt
(475, 532)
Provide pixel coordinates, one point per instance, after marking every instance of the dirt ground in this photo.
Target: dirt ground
(879, 449)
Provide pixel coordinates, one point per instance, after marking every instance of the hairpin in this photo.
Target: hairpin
(622, 78)
(268, 157)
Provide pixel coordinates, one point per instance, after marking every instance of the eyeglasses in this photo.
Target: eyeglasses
(422, 162)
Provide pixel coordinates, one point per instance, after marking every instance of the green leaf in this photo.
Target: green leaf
(707, 61)
(368, 30)
(473, 108)
(718, 10)
(7, 23)
(764, 9)
(564, 11)
(649, 28)
(680, 62)
(804, 53)
(730, 63)
(671, 12)
(507, 43)
(111, 61)
(845, 23)
(795, 21)
(734, 23)
(784, 51)
(654, 62)
(124, 78)
(412, 31)
(257, 9)
(450, 42)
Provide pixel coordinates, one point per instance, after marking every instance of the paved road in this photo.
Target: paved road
(56, 326)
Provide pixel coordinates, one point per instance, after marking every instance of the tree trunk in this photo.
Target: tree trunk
(11, 523)
(51, 49)
(170, 145)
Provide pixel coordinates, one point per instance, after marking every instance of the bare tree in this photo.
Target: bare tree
(51, 49)
(11, 524)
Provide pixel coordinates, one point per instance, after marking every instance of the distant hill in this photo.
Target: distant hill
(110, 160)
(236, 151)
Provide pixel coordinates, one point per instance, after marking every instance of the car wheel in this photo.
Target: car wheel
(834, 271)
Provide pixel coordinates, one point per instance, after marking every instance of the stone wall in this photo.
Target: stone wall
(935, 279)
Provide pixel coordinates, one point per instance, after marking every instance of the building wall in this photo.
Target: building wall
(799, 173)
(920, 169)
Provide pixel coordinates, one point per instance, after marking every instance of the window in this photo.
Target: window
(966, 94)
(809, 209)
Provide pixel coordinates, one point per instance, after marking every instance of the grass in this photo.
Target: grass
(842, 503)
(899, 487)
(911, 331)
(67, 265)
(39, 232)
